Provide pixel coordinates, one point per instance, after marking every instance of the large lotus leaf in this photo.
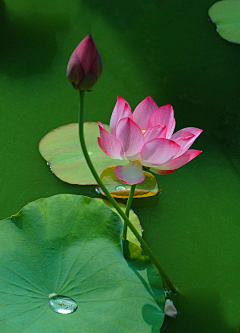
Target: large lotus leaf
(147, 188)
(70, 245)
(61, 149)
(133, 218)
(226, 16)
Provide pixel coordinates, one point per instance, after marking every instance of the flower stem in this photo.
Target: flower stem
(129, 203)
(114, 203)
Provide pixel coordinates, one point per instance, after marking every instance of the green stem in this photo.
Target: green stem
(114, 203)
(129, 203)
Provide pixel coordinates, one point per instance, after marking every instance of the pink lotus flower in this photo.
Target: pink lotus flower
(145, 138)
(85, 65)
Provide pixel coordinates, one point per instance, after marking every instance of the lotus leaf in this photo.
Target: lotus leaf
(70, 245)
(61, 149)
(147, 188)
(226, 16)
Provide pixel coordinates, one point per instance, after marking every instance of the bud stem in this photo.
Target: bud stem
(129, 203)
(114, 203)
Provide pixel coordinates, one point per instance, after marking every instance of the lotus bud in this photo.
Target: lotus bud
(85, 65)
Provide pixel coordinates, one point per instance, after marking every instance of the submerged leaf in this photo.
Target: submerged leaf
(61, 149)
(226, 16)
(70, 245)
(147, 188)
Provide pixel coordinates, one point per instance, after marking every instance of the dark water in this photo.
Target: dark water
(170, 51)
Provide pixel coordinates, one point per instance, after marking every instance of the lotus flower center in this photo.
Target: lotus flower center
(143, 131)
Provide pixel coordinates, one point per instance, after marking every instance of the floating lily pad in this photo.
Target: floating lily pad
(147, 188)
(69, 245)
(62, 151)
(226, 16)
(133, 218)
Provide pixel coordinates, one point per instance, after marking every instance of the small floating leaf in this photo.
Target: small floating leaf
(61, 149)
(147, 188)
(226, 16)
(70, 245)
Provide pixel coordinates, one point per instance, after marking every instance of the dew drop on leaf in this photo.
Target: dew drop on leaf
(62, 304)
(97, 190)
(120, 188)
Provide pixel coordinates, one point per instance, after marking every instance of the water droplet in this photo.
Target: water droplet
(62, 304)
(97, 190)
(48, 163)
(120, 188)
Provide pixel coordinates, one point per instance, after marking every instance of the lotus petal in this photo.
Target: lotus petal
(121, 110)
(176, 163)
(131, 138)
(155, 132)
(169, 309)
(143, 112)
(109, 144)
(130, 174)
(158, 151)
(185, 138)
(163, 116)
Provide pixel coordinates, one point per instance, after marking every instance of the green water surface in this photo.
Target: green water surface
(170, 51)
